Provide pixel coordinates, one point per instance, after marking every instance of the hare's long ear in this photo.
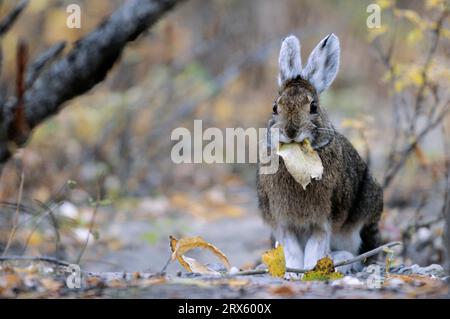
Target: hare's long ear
(290, 62)
(323, 63)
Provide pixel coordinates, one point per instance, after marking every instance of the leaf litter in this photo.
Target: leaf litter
(39, 280)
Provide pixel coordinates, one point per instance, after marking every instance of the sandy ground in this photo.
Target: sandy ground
(242, 239)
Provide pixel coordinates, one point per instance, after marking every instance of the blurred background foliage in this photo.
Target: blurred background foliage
(216, 61)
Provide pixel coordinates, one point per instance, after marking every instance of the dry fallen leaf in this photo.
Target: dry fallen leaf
(198, 267)
(301, 161)
(274, 260)
(180, 247)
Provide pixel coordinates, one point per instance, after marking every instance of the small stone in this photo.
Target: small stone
(396, 282)
(347, 281)
(68, 209)
(438, 243)
(217, 267)
(351, 281)
(423, 234)
(434, 270)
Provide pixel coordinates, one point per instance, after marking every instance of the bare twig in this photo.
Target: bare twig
(429, 57)
(30, 258)
(19, 129)
(9, 20)
(41, 61)
(55, 224)
(92, 222)
(412, 109)
(16, 216)
(368, 254)
(446, 202)
(163, 270)
(395, 168)
(363, 256)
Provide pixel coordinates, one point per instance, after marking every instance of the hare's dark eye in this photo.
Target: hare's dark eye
(275, 108)
(313, 107)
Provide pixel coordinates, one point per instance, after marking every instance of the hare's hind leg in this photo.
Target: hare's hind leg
(347, 239)
(317, 246)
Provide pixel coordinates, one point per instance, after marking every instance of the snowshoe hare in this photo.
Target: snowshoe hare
(339, 212)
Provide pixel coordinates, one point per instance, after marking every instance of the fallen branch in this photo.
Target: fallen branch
(50, 260)
(41, 61)
(368, 254)
(86, 65)
(363, 256)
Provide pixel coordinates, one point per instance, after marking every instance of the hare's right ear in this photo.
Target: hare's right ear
(323, 63)
(290, 62)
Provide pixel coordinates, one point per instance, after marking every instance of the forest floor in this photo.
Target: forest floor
(127, 260)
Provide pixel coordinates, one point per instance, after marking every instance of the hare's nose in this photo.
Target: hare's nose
(291, 132)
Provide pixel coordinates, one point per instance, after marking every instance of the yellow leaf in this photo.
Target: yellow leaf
(414, 36)
(415, 76)
(182, 246)
(323, 270)
(435, 4)
(301, 161)
(384, 4)
(274, 260)
(398, 86)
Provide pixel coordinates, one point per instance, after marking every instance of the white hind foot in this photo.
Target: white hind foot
(317, 246)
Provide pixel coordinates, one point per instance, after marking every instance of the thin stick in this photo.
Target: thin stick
(339, 264)
(9, 20)
(16, 216)
(92, 222)
(34, 70)
(367, 254)
(163, 270)
(28, 258)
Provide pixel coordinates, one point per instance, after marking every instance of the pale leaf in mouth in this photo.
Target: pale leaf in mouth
(301, 161)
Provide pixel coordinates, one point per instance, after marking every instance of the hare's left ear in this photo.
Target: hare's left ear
(323, 63)
(290, 62)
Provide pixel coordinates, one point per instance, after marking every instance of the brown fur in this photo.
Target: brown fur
(347, 196)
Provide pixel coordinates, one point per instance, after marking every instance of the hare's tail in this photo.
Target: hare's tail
(370, 237)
